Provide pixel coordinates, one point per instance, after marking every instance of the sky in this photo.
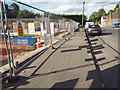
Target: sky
(68, 6)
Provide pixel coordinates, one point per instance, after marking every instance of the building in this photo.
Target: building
(103, 21)
(112, 18)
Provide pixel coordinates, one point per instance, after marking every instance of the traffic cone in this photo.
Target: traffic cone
(38, 42)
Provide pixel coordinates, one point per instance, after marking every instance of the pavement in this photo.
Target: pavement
(26, 56)
(70, 65)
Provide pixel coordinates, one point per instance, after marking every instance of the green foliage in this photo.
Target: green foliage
(15, 6)
(110, 11)
(26, 14)
(77, 18)
(93, 17)
(96, 16)
(13, 13)
(117, 6)
(114, 10)
(45, 14)
(17, 13)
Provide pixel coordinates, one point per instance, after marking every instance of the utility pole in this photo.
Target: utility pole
(83, 15)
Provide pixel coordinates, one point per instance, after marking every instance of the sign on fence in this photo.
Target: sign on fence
(20, 29)
(67, 24)
(55, 25)
(37, 25)
(61, 24)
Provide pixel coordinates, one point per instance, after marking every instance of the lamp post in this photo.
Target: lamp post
(83, 15)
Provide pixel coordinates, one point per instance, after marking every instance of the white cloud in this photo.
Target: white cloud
(71, 6)
(65, 9)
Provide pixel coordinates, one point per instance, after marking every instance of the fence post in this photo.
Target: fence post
(51, 46)
(3, 25)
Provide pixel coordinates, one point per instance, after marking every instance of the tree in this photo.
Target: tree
(110, 11)
(93, 17)
(15, 6)
(96, 16)
(114, 10)
(117, 6)
(27, 14)
(77, 18)
(13, 13)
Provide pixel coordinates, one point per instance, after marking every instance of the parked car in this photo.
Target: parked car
(116, 25)
(94, 30)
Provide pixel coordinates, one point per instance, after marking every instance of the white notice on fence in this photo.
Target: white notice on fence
(48, 25)
(61, 24)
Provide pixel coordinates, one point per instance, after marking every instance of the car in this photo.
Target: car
(94, 30)
(116, 25)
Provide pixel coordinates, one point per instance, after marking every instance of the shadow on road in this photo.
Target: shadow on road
(70, 84)
(48, 57)
(77, 30)
(117, 51)
(110, 77)
(106, 34)
(98, 47)
(20, 82)
(79, 48)
(70, 50)
(95, 52)
(91, 75)
(100, 59)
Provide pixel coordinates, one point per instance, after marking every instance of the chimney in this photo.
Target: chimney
(117, 10)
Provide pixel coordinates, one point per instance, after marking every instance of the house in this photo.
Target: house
(112, 18)
(103, 21)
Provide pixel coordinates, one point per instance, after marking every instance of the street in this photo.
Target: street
(70, 64)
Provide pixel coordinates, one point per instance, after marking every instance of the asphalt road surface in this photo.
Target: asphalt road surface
(70, 64)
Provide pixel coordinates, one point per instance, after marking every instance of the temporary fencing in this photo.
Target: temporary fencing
(25, 30)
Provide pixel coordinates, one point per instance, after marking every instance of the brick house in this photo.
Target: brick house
(112, 18)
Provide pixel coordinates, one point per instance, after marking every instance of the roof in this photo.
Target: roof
(115, 15)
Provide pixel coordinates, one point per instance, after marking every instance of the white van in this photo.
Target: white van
(87, 24)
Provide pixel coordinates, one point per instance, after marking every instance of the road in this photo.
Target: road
(70, 64)
(111, 36)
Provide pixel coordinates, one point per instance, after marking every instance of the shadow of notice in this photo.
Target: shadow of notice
(79, 48)
(98, 47)
(66, 84)
(70, 50)
(96, 52)
(99, 59)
